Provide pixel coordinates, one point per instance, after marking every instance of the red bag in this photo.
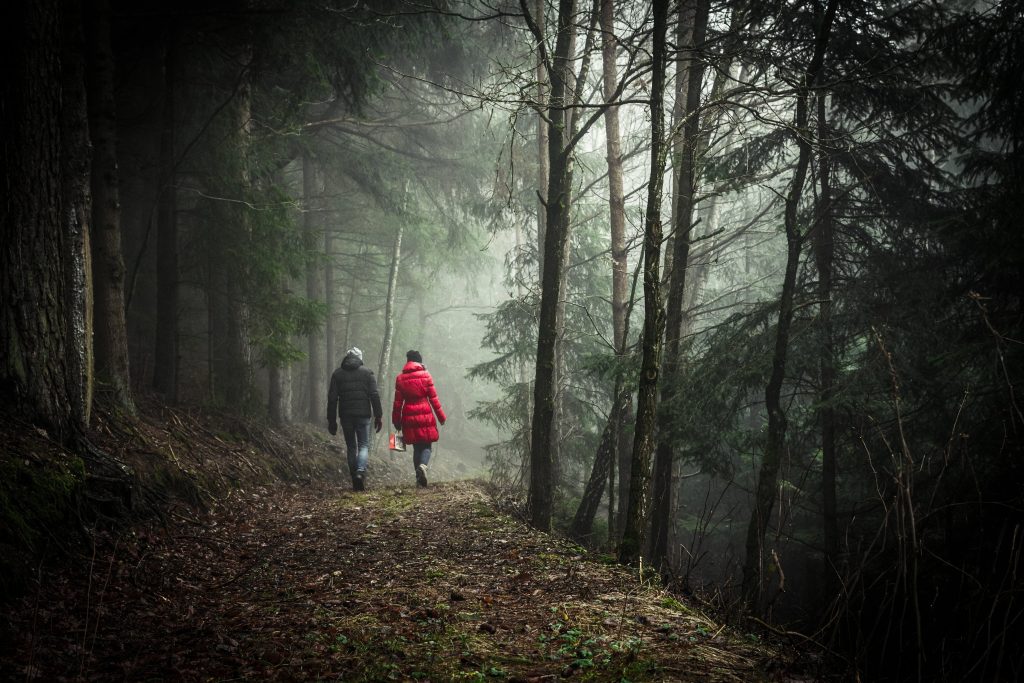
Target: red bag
(396, 442)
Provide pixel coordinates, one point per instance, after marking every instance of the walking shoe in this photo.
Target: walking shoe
(421, 475)
(357, 482)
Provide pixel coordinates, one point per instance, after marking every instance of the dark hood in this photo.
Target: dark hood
(351, 362)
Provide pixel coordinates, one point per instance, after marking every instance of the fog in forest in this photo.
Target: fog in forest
(729, 290)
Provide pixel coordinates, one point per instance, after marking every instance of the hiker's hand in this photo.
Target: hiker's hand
(332, 427)
(442, 421)
(398, 427)
(377, 424)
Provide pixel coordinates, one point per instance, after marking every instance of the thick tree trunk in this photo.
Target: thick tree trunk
(165, 371)
(540, 499)
(654, 321)
(767, 479)
(558, 380)
(316, 396)
(77, 164)
(111, 332)
(44, 362)
(693, 19)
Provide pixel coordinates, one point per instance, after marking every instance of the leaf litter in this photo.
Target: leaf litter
(299, 582)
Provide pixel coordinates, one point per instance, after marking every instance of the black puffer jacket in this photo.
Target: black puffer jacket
(353, 391)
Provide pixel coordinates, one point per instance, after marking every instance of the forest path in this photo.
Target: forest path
(294, 583)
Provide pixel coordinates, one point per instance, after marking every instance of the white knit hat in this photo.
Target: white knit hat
(354, 351)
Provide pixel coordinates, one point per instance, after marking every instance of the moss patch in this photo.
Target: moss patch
(40, 484)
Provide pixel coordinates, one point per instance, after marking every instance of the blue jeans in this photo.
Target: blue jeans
(357, 442)
(420, 454)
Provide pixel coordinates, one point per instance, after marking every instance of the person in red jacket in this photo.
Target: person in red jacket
(416, 404)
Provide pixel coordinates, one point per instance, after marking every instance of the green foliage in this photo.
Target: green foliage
(718, 424)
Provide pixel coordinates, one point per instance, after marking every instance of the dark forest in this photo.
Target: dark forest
(724, 293)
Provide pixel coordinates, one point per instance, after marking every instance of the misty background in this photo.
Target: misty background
(729, 290)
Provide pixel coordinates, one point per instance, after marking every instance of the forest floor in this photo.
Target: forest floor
(304, 579)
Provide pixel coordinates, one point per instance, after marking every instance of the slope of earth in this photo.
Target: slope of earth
(297, 582)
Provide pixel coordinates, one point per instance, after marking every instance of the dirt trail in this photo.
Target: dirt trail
(394, 583)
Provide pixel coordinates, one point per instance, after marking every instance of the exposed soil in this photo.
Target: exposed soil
(304, 582)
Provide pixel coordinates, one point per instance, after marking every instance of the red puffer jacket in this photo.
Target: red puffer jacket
(414, 396)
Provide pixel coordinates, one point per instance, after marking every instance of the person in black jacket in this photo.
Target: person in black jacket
(353, 397)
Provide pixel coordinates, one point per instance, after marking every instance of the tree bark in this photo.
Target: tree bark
(316, 396)
(624, 447)
(654, 321)
(767, 480)
(583, 520)
(540, 498)
(110, 329)
(279, 394)
(78, 207)
(543, 141)
(330, 343)
(543, 174)
(384, 364)
(238, 379)
(44, 363)
(165, 371)
(693, 19)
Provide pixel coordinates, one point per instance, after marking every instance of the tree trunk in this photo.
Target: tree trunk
(227, 255)
(110, 329)
(543, 141)
(767, 479)
(540, 499)
(693, 19)
(654, 321)
(384, 364)
(239, 363)
(607, 450)
(543, 173)
(698, 269)
(583, 521)
(316, 396)
(624, 447)
(279, 394)
(330, 343)
(77, 162)
(44, 363)
(824, 248)
(165, 371)
(526, 404)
